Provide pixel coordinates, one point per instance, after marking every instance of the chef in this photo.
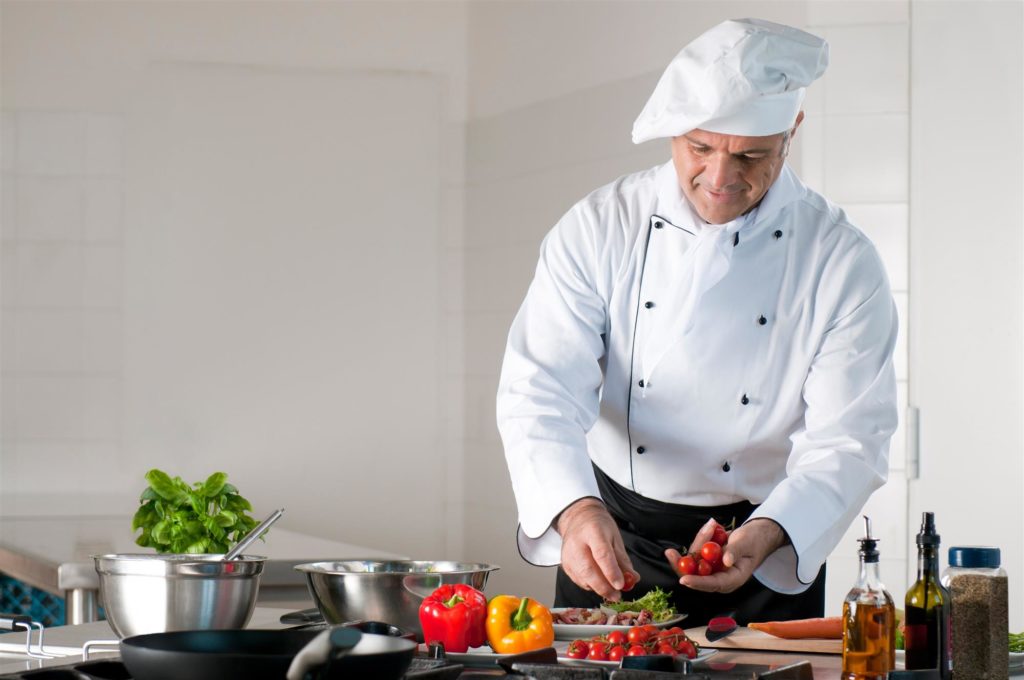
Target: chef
(707, 341)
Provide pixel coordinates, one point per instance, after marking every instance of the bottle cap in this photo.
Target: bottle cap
(868, 544)
(973, 556)
(927, 535)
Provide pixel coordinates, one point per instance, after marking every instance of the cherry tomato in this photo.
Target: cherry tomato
(687, 564)
(675, 630)
(616, 653)
(705, 568)
(651, 629)
(666, 648)
(636, 650)
(617, 637)
(662, 634)
(637, 635)
(711, 552)
(578, 649)
(598, 651)
(721, 535)
(631, 580)
(686, 648)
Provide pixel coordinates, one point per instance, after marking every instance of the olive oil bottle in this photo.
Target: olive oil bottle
(926, 628)
(869, 620)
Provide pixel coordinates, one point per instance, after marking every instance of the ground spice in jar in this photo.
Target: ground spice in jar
(979, 623)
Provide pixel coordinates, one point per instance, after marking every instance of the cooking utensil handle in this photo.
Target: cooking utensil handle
(13, 622)
(253, 535)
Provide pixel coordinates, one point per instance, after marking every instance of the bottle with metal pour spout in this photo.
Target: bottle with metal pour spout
(869, 620)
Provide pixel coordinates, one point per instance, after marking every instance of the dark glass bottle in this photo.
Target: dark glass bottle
(926, 627)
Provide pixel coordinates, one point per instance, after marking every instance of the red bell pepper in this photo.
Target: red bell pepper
(454, 615)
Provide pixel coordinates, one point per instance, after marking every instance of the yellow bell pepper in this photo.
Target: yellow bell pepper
(515, 625)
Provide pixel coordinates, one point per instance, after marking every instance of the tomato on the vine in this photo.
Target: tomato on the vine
(598, 651)
(711, 552)
(616, 653)
(617, 637)
(636, 650)
(651, 629)
(666, 648)
(686, 648)
(637, 635)
(578, 649)
(686, 565)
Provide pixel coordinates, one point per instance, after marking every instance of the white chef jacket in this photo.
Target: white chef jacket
(755, 366)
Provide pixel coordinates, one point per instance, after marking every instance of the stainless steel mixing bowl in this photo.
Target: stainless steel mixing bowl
(151, 593)
(388, 591)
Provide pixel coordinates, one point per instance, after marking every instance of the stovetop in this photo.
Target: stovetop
(435, 669)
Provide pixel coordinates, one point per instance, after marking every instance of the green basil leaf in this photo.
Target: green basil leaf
(226, 518)
(148, 495)
(162, 483)
(143, 517)
(161, 531)
(229, 488)
(197, 547)
(198, 505)
(214, 484)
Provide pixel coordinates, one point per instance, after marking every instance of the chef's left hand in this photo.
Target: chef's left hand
(747, 548)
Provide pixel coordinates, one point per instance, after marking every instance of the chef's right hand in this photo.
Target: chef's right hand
(593, 554)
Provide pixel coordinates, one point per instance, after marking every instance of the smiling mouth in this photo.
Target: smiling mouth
(722, 196)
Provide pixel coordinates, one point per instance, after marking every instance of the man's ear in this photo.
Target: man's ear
(799, 119)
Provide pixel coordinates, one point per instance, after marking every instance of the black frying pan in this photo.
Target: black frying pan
(256, 655)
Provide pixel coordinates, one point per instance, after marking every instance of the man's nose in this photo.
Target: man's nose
(721, 171)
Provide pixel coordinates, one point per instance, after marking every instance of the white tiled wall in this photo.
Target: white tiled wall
(62, 282)
(856, 152)
(74, 194)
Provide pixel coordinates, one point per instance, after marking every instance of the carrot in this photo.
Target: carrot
(830, 627)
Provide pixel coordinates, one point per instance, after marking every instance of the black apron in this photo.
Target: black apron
(648, 527)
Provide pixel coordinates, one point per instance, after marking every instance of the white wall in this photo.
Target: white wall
(966, 218)
(231, 236)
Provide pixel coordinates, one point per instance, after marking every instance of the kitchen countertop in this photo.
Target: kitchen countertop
(69, 639)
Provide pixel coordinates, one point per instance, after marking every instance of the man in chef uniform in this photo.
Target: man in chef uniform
(706, 340)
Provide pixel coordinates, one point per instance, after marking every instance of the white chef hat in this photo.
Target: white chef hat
(742, 77)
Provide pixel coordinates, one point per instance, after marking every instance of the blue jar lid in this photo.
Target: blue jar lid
(974, 557)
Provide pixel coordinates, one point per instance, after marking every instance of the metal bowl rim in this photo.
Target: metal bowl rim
(331, 568)
(177, 558)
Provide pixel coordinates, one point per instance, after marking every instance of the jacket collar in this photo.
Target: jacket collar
(673, 205)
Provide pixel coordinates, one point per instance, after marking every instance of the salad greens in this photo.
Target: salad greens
(655, 601)
(1017, 642)
(207, 517)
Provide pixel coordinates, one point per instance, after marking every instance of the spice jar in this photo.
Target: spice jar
(979, 616)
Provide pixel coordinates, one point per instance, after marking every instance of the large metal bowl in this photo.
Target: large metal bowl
(388, 591)
(150, 593)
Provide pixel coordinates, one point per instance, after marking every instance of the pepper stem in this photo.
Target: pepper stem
(521, 619)
(454, 601)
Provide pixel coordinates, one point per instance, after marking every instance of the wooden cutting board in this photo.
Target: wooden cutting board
(747, 638)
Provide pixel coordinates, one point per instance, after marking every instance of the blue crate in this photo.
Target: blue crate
(20, 598)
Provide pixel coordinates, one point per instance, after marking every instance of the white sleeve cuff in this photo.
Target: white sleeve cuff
(543, 551)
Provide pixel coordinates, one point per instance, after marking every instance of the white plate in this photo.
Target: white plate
(701, 655)
(1016, 658)
(485, 656)
(580, 631)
